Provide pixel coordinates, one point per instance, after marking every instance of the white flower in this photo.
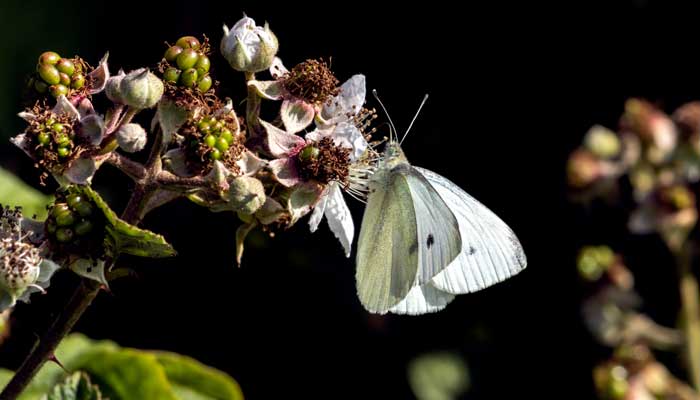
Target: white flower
(248, 47)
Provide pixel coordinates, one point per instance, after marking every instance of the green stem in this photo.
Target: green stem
(690, 307)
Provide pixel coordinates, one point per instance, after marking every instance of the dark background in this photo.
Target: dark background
(513, 90)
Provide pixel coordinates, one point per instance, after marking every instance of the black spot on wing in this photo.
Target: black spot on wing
(413, 248)
(430, 240)
(471, 250)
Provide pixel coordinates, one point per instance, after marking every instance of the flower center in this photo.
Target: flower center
(311, 81)
(52, 139)
(324, 162)
(18, 263)
(212, 139)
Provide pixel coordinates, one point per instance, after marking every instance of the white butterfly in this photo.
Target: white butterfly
(424, 240)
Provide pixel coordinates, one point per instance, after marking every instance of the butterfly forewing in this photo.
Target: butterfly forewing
(387, 250)
(490, 250)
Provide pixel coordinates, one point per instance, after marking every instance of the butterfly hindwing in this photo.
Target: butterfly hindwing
(387, 249)
(490, 250)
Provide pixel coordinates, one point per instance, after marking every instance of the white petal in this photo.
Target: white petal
(250, 164)
(277, 69)
(339, 217)
(27, 116)
(296, 115)
(317, 213)
(270, 90)
(349, 101)
(347, 135)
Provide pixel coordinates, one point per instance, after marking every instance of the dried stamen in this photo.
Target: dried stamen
(311, 81)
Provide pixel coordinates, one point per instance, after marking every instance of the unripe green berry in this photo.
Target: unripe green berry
(65, 218)
(59, 208)
(203, 64)
(51, 226)
(58, 90)
(188, 78)
(172, 75)
(222, 144)
(210, 140)
(49, 58)
(65, 79)
(226, 135)
(49, 74)
(73, 199)
(204, 126)
(215, 154)
(83, 227)
(64, 235)
(78, 81)
(63, 152)
(62, 140)
(218, 125)
(172, 53)
(83, 208)
(41, 86)
(188, 42)
(309, 153)
(66, 66)
(57, 127)
(205, 83)
(44, 138)
(187, 59)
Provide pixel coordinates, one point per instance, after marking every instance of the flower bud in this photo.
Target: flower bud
(131, 137)
(247, 47)
(112, 88)
(141, 89)
(246, 194)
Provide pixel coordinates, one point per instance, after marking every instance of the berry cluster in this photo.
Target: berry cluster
(212, 139)
(56, 137)
(71, 220)
(188, 65)
(58, 76)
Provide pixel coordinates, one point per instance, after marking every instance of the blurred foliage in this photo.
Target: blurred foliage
(438, 376)
(14, 192)
(75, 387)
(127, 374)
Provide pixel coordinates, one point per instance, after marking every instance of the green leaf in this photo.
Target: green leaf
(75, 387)
(14, 192)
(127, 238)
(193, 380)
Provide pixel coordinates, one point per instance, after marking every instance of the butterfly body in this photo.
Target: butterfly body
(424, 240)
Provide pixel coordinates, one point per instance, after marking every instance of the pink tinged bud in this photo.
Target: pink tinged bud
(141, 89)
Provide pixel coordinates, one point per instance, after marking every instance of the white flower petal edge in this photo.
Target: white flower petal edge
(338, 216)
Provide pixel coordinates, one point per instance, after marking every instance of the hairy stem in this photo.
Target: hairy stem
(690, 306)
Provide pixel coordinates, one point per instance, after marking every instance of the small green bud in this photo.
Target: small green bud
(172, 75)
(309, 153)
(210, 140)
(205, 83)
(78, 81)
(41, 86)
(49, 58)
(63, 152)
(226, 135)
(65, 79)
(188, 42)
(64, 235)
(188, 78)
(65, 218)
(141, 89)
(58, 90)
(49, 74)
(203, 64)
(187, 59)
(44, 138)
(172, 53)
(66, 66)
(215, 154)
(84, 209)
(83, 227)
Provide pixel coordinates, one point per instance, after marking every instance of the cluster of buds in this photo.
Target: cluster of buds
(58, 76)
(186, 64)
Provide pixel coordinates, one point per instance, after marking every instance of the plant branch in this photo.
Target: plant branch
(690, 307)
(133, 169)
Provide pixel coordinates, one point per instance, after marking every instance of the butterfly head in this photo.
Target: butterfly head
(393, 155)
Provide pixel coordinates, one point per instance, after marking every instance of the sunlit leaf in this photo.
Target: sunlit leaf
(14, 192)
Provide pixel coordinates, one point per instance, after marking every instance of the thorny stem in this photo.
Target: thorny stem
(146, 180)
(690, 307)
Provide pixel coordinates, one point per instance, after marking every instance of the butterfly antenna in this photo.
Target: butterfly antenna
(392, 133)
(425, 98)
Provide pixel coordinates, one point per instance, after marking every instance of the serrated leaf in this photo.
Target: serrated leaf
(193, 380)
(14, 192)
(75, 387)
(127, 238)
